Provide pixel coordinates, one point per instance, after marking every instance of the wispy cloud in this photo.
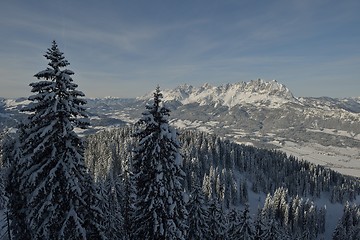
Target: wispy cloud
(126, 44)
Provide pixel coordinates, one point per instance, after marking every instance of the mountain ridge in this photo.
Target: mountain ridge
(254, 92)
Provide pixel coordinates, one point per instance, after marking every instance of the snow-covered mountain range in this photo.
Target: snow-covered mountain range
(260, 113)
(256, 92)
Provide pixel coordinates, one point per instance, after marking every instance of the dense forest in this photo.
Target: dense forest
(220, 174)
(223, 167)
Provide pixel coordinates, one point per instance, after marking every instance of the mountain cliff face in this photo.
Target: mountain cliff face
(264, 114)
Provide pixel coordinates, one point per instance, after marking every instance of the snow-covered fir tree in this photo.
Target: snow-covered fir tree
(259, 226)
(217, 221)
(199, 214)
(233, 226)
(273, 231)
(348, 226)
(246, 230)
(240, 226)
(160, 211)
(7, 143)
(54, 196)
(16, 199)
(128, 196)
(111, 207)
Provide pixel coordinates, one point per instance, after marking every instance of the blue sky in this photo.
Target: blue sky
(125, 48)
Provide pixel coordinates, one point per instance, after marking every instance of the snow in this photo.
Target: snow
(123, 116)
(95, 118)
(336, 132)
(344, 160)
(198, 125)
(14, 103)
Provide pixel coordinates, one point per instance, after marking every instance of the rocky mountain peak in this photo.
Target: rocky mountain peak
(272, 88)
(257, 92)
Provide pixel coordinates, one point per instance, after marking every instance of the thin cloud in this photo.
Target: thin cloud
(138, 44)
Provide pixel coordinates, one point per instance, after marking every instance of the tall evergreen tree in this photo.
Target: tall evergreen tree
(110, 206)
(17, 201)
(246, 231)
(272, 231)
(198, 227)
(258, 226)
(349, 225)
(55, 195)
(128, 201)
(233, 227)
(240, 226)
(159, 207)
(217, 221)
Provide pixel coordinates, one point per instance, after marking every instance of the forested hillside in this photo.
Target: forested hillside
(223, 175)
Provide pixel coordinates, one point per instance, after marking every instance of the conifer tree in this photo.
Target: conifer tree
(54, 194)
(272, 231)
(217, 221)
(348, 226)
(246, 230)
(128, 200)
(159, 208)
(258, 226)
(110, 206)
(233, 227)
(16, 202)
(7, 152)
(339, 233)
(198, 227)
(240, 225)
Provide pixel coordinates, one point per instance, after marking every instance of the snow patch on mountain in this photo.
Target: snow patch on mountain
(15, 103)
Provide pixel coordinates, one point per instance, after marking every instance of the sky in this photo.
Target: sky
(125, 48)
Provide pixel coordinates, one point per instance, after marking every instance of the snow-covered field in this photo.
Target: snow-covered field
(198, 125)
(343, 160)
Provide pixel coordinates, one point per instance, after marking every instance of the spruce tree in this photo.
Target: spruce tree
(110, 206)
(246, 231)
(55, 194)
(258, 226)
(348, 226)
(217, 221)
(128, 190)
(197, 206)
(233, 227)
(160, 211)
(273, 231)
(339, 233)
(16, 198)
(240, 226)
